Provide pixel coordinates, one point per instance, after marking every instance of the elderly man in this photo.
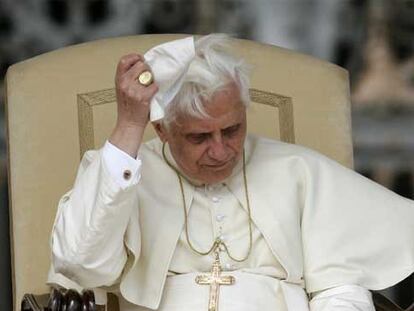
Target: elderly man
(206, 217)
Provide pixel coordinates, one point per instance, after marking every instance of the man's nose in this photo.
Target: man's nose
(217, 149)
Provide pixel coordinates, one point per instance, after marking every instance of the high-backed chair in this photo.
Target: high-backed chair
(62, 103)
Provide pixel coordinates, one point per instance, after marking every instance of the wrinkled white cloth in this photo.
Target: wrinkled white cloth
(169, 63)
(343, 298)
(254, 290)
(101, 237)
(250, 292)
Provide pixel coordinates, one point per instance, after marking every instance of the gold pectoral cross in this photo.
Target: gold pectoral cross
(215, 279)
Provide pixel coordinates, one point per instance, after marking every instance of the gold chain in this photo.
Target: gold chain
(218, 242)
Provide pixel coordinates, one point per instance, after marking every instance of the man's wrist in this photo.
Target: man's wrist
(128, 138)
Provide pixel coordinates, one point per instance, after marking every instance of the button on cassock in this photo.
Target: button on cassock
(215, 199)
(220, 217)
(222, 237)
(228, 266)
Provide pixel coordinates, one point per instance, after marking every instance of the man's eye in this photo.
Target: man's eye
(197, 138)
(232, 130)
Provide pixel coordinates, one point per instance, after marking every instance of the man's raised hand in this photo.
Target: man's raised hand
(133, 103)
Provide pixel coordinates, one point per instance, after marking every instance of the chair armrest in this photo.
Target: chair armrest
(32, 302)
(42, 302)
(382, 303)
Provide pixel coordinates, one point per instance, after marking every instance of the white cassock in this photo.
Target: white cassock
(319, 229)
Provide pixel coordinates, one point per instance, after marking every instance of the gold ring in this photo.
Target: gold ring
(145, 78)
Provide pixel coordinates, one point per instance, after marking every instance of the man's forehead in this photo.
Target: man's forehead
(197, 125)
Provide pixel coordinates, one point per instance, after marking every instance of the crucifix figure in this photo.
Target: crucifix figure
(215, 280)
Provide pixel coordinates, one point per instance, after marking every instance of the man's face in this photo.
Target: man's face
(207, 150)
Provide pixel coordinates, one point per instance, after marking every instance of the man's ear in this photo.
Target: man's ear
(160, 130)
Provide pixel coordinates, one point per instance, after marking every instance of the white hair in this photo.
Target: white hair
(213, 69)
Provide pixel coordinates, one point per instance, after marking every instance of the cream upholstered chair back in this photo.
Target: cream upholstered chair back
(62, 103)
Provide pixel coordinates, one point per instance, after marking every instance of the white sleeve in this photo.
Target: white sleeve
(343, 298)
(122, 167)
(88, 234)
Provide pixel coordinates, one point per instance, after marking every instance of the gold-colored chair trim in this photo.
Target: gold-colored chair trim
(86, 101)
(85, 115)
(285, 106)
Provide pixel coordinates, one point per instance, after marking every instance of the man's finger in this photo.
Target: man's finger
(126, 62)
(136, 70)
(150, 91)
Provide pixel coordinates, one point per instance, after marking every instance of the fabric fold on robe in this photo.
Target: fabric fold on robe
(328, 225)
(371, 243)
